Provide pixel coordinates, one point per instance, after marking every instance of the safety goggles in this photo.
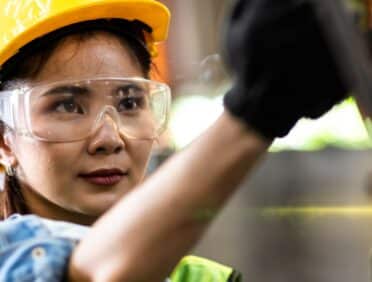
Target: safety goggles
(347, 25)
(360, 11)
(72, 110)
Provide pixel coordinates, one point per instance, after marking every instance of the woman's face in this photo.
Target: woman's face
(51, 174)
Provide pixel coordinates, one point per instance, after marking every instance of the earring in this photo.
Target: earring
(9, 170)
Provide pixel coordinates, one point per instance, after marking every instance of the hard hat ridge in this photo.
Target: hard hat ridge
(23, 21)
(133, 31)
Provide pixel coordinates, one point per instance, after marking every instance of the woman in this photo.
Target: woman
(79, 119)
(92, 112)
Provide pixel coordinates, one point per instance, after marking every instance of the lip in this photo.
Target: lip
(105, 177)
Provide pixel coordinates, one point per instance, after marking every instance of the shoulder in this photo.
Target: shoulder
(33, 248)
(193, 268)
(18, 228)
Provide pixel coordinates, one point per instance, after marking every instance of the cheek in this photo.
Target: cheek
(140, 152)
(43, 164)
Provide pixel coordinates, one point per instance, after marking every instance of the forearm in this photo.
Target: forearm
(150, 229)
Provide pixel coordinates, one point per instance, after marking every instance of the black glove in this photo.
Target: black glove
(283, 66)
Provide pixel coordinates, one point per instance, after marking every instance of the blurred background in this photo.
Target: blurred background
(305, 214)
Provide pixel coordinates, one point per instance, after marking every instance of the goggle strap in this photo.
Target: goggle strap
(6, 113)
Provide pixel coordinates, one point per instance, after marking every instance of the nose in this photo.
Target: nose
(106, 138)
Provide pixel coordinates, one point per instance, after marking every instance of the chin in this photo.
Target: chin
(94, 209)
(97, 205)
(97, 211)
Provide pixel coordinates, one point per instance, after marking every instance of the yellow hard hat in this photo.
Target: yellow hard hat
(22, 21)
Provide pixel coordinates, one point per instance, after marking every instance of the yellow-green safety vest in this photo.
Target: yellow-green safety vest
(196, 269)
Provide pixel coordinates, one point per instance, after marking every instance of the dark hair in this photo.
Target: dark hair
(30, 60)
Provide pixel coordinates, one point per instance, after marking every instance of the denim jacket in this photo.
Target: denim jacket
(36, 249)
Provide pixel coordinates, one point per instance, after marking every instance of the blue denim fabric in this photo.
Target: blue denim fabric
(36, 249)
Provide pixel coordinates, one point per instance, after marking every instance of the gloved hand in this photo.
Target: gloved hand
(283, 67)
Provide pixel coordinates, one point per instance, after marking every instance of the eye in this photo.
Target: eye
(131, 104)
(68, 106)
(132, 98)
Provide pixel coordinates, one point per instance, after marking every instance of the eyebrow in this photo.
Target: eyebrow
(131, 84)
(76, 90)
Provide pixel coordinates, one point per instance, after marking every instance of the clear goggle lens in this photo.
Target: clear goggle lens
(361, 11)
(348, 28)
(71, 110)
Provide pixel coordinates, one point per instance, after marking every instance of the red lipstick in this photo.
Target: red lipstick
(105, 177)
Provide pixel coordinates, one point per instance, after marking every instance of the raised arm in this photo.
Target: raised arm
(284, 71)
(144, 236)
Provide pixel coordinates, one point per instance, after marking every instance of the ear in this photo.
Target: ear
(7, 155)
